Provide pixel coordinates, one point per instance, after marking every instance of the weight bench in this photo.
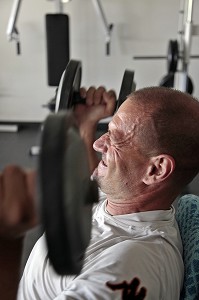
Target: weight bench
(187, 216)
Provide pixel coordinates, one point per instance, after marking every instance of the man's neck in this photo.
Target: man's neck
(141, 203)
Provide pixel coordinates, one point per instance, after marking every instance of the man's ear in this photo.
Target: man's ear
(159, 168)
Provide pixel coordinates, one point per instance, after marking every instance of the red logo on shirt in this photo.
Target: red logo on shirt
(129, 290)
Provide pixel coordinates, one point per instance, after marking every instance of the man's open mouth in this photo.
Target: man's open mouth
(104, 163)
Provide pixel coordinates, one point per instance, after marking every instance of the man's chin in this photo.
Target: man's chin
(96, 176)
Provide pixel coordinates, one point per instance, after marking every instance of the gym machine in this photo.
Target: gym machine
(179, 51)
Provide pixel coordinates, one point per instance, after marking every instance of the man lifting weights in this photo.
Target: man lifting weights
(148, 156)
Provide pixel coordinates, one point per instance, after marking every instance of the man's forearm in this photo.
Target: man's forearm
(10, 261)
(99, 104)
(88, 134)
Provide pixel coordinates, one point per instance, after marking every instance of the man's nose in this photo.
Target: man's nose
(101, 144)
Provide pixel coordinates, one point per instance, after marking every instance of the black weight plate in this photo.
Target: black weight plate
(67, 194)
(172, 56)
(168, 81)
(69, 84)
(128, 86)
(189, 88)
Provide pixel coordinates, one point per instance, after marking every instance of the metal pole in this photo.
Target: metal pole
(59, 6)
(11, 28)
(107, 27)
(12, 32)
(188, 34)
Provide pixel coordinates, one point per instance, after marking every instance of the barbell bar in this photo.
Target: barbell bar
(172, 57)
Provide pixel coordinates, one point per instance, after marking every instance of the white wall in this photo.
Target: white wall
(141, 27)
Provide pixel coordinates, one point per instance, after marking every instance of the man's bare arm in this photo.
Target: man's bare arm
(17, 215)
(99, 105)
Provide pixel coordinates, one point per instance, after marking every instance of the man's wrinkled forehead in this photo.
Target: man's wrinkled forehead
(131, 111)
(125, 121)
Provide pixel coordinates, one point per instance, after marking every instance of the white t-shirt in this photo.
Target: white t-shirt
(144, 245)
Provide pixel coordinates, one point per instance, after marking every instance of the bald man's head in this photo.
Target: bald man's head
(170, 125)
